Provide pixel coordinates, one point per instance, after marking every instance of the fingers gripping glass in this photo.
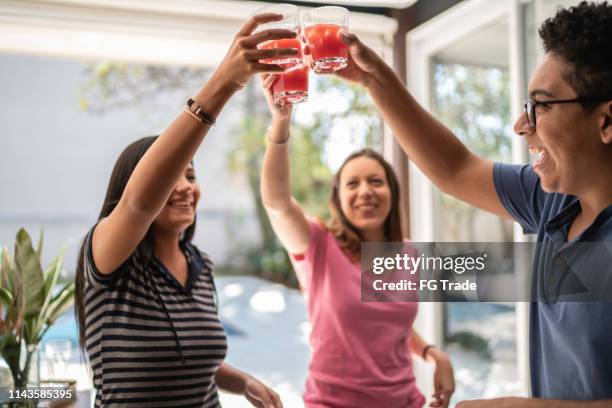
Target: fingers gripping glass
(290, 86)
(530, 106)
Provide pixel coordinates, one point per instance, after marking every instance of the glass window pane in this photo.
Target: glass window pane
(473, 101)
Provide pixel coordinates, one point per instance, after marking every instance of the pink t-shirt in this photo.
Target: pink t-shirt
(360, 352)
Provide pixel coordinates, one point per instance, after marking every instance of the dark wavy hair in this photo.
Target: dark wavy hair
(122, 171)
(582, 37)
(348, 236)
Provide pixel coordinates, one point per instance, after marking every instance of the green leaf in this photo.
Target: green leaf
(60, 303)
(6, 274)
(29, 330)
(40, 244)
(52, 275)
(30, 273)
(5, 297)
(51, 278)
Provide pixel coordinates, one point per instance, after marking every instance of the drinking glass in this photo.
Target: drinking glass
(290, 21)
(291, 86)
(322, 27)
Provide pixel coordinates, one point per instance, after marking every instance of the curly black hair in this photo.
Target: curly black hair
(582, 37)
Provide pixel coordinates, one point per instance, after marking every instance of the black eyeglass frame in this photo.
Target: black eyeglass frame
(531, 104)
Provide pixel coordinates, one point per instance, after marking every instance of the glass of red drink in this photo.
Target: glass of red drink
(290, 21)
(322, 27)
(291, 86)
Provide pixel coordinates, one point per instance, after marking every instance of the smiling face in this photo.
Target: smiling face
(180, 209)
(565, 144)
(364, 194)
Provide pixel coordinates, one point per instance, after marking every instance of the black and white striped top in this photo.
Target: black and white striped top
(150, 341)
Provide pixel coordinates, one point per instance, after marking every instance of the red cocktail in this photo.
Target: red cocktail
(283, 43)
(291, 86)
(322, 29)
(329, 52)
(290, 21)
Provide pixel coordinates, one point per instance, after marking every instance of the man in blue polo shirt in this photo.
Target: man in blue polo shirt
(565, 196)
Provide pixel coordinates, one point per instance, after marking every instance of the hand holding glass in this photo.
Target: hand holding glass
(292, 85)
(290, 21)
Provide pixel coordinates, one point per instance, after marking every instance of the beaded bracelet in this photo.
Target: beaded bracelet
(196, 111)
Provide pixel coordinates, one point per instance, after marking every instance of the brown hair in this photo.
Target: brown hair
(348, 236)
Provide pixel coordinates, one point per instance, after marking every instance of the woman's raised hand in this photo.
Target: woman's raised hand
(243, 58)
(278, 111)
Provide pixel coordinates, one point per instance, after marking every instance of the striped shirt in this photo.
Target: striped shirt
(150, 341)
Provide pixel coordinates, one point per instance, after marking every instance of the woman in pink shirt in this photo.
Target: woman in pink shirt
(361, 351)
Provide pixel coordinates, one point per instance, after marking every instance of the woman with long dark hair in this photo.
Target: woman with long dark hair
(361, 351)
(145, 295)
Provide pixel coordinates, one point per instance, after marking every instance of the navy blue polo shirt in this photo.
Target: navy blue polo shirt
(570, 341)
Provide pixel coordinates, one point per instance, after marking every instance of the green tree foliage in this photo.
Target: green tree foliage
(474, 102)
(310, 181)
(109, 86)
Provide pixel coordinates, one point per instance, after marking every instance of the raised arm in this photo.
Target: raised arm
(150, 185)
(427, 142)
(286, 215)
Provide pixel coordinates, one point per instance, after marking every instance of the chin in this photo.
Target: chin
(180, 225)
(548, 182)
(184, 225)
(366, 225)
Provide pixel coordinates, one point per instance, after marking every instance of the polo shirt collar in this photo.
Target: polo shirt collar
(558, 226)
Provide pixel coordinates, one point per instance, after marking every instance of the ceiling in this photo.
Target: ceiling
(486, 47)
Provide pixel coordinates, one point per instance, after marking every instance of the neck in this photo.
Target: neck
(166, 244)
(596, 199)
(377, 235)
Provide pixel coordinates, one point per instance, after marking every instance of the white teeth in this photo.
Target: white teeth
(535, 150)
(538, 152)
(180, 203)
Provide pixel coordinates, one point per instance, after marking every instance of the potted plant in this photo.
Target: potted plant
(29, 303)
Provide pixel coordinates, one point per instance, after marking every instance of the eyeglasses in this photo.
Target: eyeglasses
(530, 106)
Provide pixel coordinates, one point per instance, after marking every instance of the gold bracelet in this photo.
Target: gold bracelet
(193, 115)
